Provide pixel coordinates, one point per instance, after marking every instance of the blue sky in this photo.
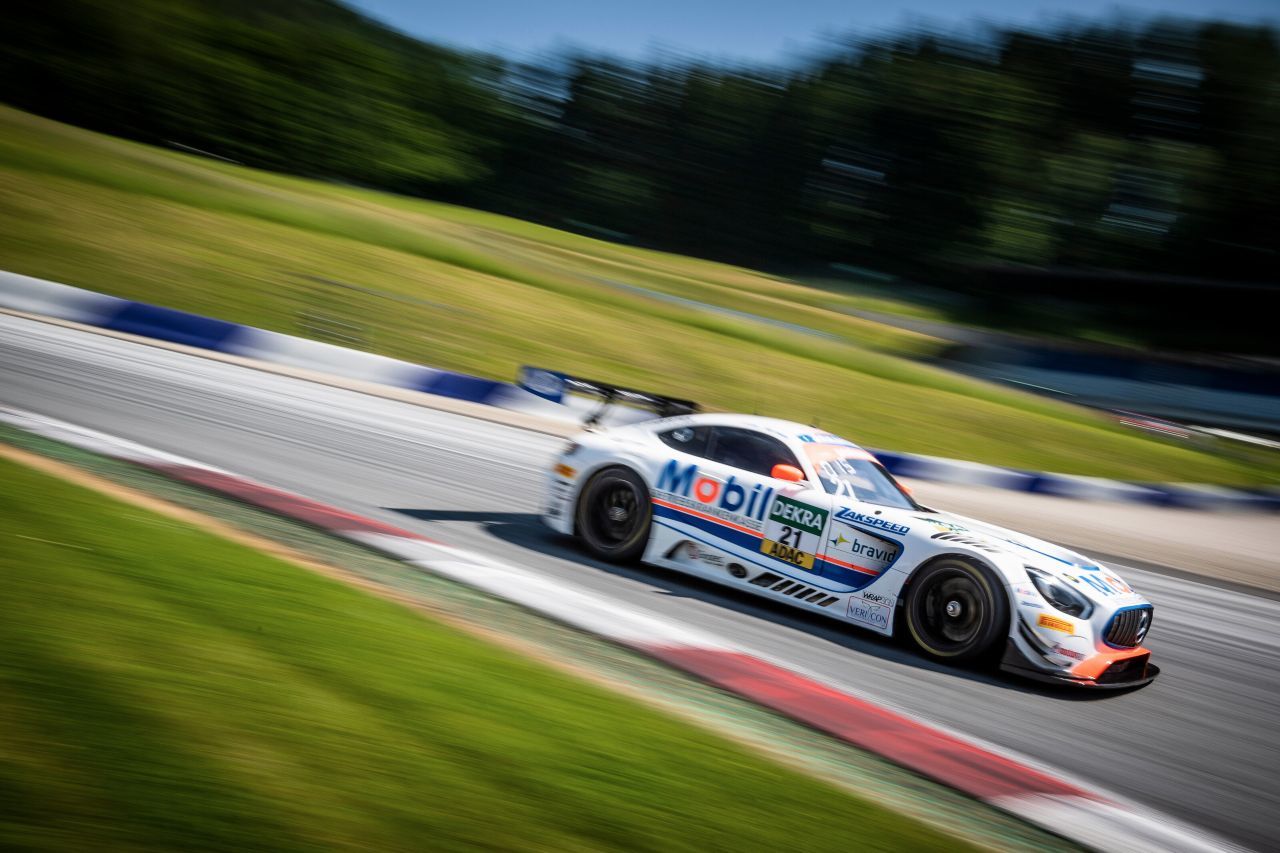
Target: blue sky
(760, 30)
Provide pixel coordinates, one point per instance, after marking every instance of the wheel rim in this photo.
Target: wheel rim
(952, 610)
(615, 515)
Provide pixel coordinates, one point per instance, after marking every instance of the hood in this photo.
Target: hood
(1096, 581)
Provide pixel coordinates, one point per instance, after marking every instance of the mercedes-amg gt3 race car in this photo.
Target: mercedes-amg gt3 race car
(807, 518)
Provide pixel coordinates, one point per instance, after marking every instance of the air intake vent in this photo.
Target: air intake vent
(961, 539)
(811, 595)
(1130, 669)
(794, 589)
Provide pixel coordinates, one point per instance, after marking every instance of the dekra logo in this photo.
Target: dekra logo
(799, 515)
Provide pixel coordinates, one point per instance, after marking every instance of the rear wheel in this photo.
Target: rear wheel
(955, 610)
(613, 515)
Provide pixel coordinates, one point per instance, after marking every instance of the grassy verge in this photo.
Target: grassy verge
(810, 751)
(167, 688)
(483, 294)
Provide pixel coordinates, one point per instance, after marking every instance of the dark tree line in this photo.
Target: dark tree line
(1151, 148)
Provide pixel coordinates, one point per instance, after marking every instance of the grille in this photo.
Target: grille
(1131, 669)
(1128, 627)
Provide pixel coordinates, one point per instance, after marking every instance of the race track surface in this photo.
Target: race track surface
(1200, 744)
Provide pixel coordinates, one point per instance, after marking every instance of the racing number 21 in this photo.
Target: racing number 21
(790, 536)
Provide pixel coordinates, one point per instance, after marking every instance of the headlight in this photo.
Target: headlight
(1061, 596)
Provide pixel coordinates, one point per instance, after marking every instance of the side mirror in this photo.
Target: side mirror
(790, 473)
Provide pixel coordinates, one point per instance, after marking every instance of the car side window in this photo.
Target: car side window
(691, 440)
(750, 450)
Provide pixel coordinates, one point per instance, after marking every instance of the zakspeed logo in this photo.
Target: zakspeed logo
(847, 514)
(712, 496)
(800, 515)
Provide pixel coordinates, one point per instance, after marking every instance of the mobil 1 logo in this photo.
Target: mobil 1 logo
(793, 531)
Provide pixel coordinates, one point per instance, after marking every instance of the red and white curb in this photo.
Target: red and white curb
(1012, 783)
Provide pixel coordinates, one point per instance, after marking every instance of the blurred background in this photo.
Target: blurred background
(1083, 208)
(990, 231)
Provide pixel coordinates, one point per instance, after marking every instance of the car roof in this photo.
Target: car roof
(789, 430)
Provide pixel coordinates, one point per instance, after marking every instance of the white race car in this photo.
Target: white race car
(805, 517)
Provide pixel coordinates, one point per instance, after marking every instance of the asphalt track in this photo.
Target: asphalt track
(1200, 744)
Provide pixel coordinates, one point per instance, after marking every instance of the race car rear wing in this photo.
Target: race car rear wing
(553, 385)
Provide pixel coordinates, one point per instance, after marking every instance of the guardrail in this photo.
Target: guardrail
(64, 302)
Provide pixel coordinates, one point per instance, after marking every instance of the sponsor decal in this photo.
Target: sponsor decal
(1118, 585)
(793, 531)
(862, 548)
(711, 558)
(1098, 584)
(691, 550)
(683, 486)
(1068, 653)
(826, 438)
(1074, 648)
(871, 610)
(846, 514)
(1028, 596)
(797, 514)
(792, 555)
(1105, 585)
(1053, 623)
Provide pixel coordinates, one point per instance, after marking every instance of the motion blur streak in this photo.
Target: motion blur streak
(1199, 743)
(1119, 177)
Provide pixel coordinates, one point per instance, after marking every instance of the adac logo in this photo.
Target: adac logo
(728, 496)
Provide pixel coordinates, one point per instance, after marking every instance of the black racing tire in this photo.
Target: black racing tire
(614, 514)
(956, 610)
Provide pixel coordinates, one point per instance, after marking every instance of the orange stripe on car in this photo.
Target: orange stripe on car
(703, 515)
(856, 568)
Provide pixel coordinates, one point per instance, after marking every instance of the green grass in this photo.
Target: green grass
(164, 688)
(483, 294)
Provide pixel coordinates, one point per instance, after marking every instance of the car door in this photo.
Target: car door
(724, 503)
(791, 517)
(859, 545)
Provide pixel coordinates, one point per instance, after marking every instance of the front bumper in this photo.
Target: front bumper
(1118, 671)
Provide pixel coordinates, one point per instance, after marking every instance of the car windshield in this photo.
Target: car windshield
(852, 472)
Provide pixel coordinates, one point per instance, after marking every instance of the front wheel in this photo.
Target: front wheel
(955, 610)
(613, 515)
